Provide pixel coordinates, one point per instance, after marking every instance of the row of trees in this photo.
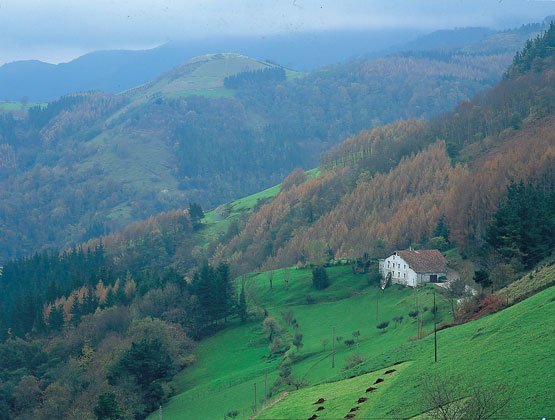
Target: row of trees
(523, 227)
(253, 78)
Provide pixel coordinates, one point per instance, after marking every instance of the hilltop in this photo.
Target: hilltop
(115, 71)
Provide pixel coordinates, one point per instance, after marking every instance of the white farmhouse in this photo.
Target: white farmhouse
(414, 267)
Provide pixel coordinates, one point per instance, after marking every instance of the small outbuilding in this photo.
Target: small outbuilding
(414, 267)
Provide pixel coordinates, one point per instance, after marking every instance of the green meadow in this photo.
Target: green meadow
(216, 221)
(513, 347)
(231, 362)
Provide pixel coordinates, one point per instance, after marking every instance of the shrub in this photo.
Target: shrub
(277, 345)
(383, 325)
(413, 314)
(490, 304)
(352, 361)
(320, 278)
(232, 414)
(466, 309)
(349, 342)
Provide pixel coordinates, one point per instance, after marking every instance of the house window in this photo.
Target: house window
(405, 266)
(388, 264)
(399, 274)
(405, 275)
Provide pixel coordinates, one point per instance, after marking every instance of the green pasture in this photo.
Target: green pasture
(231, 362)
(513, 347)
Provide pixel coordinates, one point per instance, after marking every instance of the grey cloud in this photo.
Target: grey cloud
(79, 25)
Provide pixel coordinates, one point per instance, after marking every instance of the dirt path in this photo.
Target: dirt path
(270, 404)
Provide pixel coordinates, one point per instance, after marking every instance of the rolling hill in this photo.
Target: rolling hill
(119, 70)
(184, 137)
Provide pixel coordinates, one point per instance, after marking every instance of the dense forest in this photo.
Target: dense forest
(390, 186)
(100, 330)
(91, 163)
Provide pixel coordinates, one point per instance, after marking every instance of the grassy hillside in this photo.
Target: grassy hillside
(539, 279)
(19, 106)
(231, 362)
(513, 347)
(202, 75)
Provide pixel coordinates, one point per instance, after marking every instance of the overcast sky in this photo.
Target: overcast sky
(59, 30)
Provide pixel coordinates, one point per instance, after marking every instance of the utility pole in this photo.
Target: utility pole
(254, 405)
(333, 347)
(377, 306)
(265, 386)
(417, 311)
(435, 328)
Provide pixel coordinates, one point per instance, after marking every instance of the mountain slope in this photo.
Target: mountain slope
(184, 138)
(488, 352)
(389, 187)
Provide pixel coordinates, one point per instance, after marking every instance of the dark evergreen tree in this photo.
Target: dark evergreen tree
(224, 293)
(56, 318)
(107, 407)
(242, 306)
(196, 213)
(203, 286)
(482, 278)
(442, 229)
(523, 227)
(320, 278)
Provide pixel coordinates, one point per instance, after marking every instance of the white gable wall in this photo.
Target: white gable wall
(400, 271)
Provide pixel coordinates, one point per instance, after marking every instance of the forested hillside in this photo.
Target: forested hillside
(91, 163)
(101, 329)
(454, 168)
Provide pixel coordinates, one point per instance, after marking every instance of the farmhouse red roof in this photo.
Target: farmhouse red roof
(424, 260)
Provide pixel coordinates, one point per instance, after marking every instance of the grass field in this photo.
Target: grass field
(514, 347)
(18, 106)
(232, 361)
(216, 221)
(203, 76)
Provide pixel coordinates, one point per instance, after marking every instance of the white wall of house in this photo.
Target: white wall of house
(400, 271)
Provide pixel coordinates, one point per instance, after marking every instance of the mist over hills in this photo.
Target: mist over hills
(118, 70)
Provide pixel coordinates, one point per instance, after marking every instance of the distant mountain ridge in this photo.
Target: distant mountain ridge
(115, 71)
(118, 70)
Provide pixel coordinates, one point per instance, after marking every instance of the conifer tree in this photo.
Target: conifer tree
(242, 306)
